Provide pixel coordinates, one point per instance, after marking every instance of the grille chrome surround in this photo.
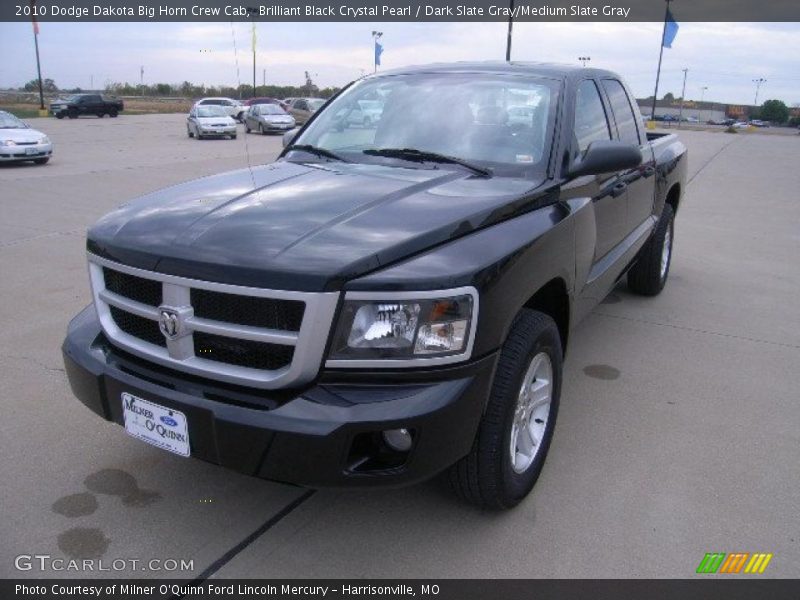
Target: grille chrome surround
(308, 343)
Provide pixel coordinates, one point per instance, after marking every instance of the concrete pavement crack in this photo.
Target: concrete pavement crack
(30, 359)
(697, 330)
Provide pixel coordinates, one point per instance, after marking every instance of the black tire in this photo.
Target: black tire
(646, 276)
(261, 129)
(485, 476)
(72, 114)
(189, 132)
(113, 113)
(246, 127)
(233, 137)
(42, 161)
(60, 115)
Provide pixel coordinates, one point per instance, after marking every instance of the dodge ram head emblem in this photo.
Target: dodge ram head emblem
(169, 322)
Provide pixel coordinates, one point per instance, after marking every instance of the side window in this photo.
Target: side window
(627, 129)
(301, 105)
(591, 123)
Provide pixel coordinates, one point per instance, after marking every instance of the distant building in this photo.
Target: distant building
(702, 111)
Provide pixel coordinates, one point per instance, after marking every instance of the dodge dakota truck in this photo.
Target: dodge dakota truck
(86, 104)
(383, 304)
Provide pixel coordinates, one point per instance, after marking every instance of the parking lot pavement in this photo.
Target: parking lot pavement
(677, 433)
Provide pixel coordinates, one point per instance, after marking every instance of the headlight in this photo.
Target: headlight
(8, 143)
(403, 329)
(44, 140)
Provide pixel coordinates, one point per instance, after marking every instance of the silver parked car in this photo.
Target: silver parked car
(18, 142)
(266, 118)
(210, 121)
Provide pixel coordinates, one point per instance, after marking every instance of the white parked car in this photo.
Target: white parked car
(210, 121)
(18, 142)
(232, 108)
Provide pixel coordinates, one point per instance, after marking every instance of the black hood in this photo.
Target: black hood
(306, 227)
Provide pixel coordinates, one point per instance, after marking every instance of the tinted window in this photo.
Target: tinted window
(590, 117)
(623, 113)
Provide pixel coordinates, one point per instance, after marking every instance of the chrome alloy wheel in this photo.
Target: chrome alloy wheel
(666, 250)
(531, 413)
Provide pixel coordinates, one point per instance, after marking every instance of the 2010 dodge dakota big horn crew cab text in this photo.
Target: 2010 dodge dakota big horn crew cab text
(384, 302)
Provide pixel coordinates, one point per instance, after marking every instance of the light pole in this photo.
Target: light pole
(584, 60)
(683, 95)
(702, 95)
(758, 83)
(376, 35)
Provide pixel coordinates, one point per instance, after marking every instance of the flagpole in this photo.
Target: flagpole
(510, 26)
(36, 45)
(660, 56)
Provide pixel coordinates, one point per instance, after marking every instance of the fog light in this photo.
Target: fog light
(398, 439)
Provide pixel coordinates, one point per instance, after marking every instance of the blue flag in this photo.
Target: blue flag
(378, 52)
(670, 30)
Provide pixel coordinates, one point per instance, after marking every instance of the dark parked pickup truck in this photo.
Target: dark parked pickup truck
(386, 303)
(86, 104)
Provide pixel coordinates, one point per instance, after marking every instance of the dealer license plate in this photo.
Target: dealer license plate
(155, 424)
(31, 150)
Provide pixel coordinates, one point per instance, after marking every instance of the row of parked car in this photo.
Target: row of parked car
(217, 117)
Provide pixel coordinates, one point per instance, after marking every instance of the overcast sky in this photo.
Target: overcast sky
(725, 57)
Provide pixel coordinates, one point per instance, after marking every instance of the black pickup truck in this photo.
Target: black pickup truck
(86, 104)
(383, 303)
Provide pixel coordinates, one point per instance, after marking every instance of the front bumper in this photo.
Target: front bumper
(220, 131)
(26, 152)
(327, 435)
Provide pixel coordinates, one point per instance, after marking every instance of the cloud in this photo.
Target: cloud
(725, 57)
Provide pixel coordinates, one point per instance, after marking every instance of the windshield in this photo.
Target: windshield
(269, 109)
(501, 122)
(9, 121)
(211, 111)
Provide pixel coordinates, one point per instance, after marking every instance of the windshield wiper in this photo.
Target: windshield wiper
(424, 156)
(321, 152)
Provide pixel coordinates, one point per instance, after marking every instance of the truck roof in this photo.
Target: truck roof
(552, 70)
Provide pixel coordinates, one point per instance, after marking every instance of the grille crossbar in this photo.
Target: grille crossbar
(251, 336)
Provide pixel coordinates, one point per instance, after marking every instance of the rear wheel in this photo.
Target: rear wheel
(246, 127)
(113, 113)
(73, 113)
(650, 271)
(514, 435)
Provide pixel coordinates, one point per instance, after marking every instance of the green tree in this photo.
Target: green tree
(774, 111)
(669, 97)
(48, 85)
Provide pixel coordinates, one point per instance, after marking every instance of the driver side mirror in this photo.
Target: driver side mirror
(606, 156)
(289, 136)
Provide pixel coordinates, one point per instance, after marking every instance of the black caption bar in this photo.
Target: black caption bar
(398, 10)
(444, 589)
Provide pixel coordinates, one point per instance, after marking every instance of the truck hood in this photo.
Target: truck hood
(305, 227)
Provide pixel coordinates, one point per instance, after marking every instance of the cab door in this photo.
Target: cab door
(592, 123)
(639, 181)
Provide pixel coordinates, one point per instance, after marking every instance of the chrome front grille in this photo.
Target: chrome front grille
(244, 335)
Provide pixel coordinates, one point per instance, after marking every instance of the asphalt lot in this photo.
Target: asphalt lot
(678, 431)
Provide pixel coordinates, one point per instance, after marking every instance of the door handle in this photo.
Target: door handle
(648, 171)
(618, 189)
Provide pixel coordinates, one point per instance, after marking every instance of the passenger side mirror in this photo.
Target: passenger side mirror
(606, 156)
(289, 136)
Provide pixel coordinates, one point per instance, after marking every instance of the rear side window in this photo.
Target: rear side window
(623, 112)
(591, 123)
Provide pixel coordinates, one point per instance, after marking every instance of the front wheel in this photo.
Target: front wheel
(514, 435)
(42, 161)
(60, 115)
(650, 271)
(113, 113)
